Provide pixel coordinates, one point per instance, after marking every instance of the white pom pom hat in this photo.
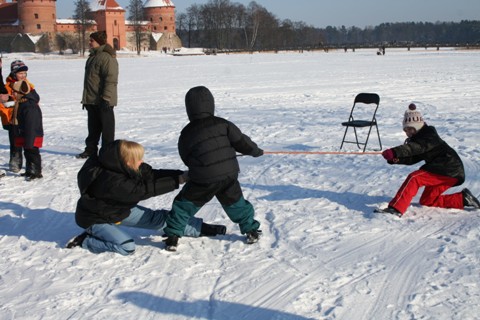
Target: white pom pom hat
(413, 118)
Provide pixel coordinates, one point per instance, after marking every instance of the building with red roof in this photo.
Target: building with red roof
(32, 26)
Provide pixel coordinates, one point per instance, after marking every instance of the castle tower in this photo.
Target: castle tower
(37, 16)
(161, 15)
(110, 17)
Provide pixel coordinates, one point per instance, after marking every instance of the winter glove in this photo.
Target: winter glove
(104, 104)
(388, 154)
(257, 153)
(183, 178)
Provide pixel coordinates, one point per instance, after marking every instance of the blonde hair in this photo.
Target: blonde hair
(131, 152)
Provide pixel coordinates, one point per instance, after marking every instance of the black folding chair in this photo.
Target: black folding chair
(362, 108)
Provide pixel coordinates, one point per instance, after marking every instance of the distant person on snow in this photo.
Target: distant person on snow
(442, 170)
(4, 97)
(18, 72)
(28, 130)
(111, 185)
(99, 93)
(208, 147)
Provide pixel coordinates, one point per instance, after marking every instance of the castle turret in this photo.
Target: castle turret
(161, 15)
(37, 16)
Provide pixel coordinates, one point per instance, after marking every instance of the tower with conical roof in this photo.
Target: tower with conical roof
(161, 15)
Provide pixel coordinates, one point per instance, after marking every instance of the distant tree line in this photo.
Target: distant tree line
(224, 25)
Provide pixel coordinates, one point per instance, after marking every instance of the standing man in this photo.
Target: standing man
(99, 93)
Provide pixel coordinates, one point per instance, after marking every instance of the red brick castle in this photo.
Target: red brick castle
(32, 26)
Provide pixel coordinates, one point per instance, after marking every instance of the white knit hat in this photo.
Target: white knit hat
(413, 118)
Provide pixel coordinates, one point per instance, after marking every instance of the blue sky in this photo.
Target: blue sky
(360, 13)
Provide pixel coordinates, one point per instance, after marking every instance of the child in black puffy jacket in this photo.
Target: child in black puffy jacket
(208, 147)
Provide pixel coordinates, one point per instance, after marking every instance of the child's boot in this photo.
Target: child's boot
(211, 230)
(469, 200)
(253, 236)
(171, 243)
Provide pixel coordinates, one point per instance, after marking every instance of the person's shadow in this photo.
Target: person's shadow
(353, 201)
(37, 224)
(54, 226)
(203, 309)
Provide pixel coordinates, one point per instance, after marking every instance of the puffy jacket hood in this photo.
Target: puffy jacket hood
(109, 157)
(200, 103)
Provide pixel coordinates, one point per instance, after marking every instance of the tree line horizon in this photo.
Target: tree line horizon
(224, 25)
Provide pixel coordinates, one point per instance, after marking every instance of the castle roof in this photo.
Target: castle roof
(100, 5)
(8, 13)
(158, 3)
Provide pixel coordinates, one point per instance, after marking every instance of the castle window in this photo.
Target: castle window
(165, 28)
(36, 15)
(39, 26)
(115, 22)
(161, 19)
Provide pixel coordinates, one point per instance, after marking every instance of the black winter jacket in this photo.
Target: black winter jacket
(29, 117)
(439, 157)
(208, 144)
(109, 189)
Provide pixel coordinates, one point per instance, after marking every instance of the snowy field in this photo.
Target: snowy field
(324, 253)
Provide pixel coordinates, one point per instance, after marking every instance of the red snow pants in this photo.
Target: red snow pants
(434, 184)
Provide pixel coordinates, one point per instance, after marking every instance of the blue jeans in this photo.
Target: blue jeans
(107, 237)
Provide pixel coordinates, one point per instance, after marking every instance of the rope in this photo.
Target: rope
(321, 152)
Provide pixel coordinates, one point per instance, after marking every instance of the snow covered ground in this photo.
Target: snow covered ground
(324, 254)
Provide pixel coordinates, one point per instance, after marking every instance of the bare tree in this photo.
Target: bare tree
(136, 17)
(193, 17)
(61, 43)
(82, 16)
(256, 14)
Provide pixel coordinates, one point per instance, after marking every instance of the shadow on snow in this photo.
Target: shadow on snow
(212, 310)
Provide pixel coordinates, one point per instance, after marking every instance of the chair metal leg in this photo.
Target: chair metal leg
(356, 137)
(344, 135)
(366, 141)
(379, 141)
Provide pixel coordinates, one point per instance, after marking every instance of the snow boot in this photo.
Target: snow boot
(469, 199)
(77, 241)
(16, 160)
(33, 176)
(83, 155)
(253, 236)
(171, 243)
(390, 210)
(211, 230)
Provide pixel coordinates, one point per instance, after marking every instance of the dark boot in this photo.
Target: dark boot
(469, 200)
(77, 241)
(84, 155)
(253, 236)
(171, 243)
(211, 230)
(33, 166)
(16, 160)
